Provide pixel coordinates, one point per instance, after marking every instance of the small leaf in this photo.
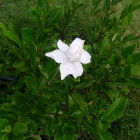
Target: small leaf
(133, 82)
(60, 135)
(42, 83)
(12, 36)
(36, 137)
(28, 34)
(3, 124)
(115, 60)
(18, 138)
(80, 101)
(107, 135)
(135, 70)
(106, 4)
(68, 136)
(130, 38)
(4, 137)
(136, 58)
(128, 51)
(54, 16)
(32, 84)
(19, 128)
(84, 84)
(115, 1)
(115, 111)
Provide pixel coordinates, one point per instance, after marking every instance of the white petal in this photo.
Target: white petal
(78, 69)
(76, 45)
(58, 55)
(66, 69)
(62, 46)
(85, 57)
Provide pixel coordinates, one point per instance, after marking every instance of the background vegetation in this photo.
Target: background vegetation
(77, 20)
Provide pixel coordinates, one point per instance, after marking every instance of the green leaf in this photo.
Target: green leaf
(136, 58)
(18, 138)
(36, 137)
(133, 82)
(54, 16)
(4, 137)
(80, 101)
(16, 52)
(32, 125)
(135, 70)
(126, 20)
(3, 124)
(115, 1)
(85, 84)
(68, 136)
(2, 26)
(105, 46)
(42, 83)
(106, 4)
(10, 35)
(43, 71)
(130, 38)
(20, 65)
(107, 136)
(115, 111)
(60, 135)
(125, 12)
(128, 50)
(43, 5)
(32, 84)
(28, 34)
(19, 128)
(93, 130)
(134, 2)
(115, 60)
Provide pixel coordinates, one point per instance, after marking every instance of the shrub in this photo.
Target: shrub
(36, 103)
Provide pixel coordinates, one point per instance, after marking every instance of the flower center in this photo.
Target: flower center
(73, 57)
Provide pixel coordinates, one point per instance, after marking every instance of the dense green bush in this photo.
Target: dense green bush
(35, 103)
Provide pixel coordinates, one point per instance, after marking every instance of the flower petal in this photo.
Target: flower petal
(62, 46)
(76, 45)
(58, 55)
(66, 69)
(78, 69)
(85, 57)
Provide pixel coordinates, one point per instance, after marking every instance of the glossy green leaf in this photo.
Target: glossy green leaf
(59, 135)
(32, 84)
(10, 35)
(28, 34)
(133, 82)
(127, 51)
(116, 110)
(3, 124)
(80, 101)
(135, 70)
(19, 128)
(85, 84)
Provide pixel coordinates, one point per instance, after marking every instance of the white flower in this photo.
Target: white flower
(70, 57)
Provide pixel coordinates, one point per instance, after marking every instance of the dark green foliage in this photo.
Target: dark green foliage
(37, 103)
